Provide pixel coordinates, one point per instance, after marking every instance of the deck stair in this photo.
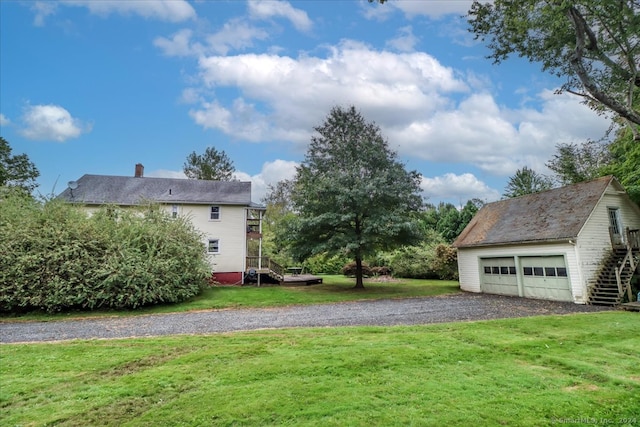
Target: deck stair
(265, 265)
(614, 277)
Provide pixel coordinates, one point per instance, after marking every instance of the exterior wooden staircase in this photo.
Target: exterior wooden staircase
(614, 277)
(265, 265)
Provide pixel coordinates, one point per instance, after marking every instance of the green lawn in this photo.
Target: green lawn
(335, 288)
(534, 371)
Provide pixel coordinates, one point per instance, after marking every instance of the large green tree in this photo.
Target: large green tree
(595, 44)
(278, 215)
(212, 165)
(575, 163)
(526, 181)
(352, 195)
(447, 220)
(16, 171)
(625, 163)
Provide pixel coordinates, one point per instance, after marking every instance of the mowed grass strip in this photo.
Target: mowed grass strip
(534, 371)
(334, 288)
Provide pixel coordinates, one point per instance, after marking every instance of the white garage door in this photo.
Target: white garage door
(546, 277)
(499, 276)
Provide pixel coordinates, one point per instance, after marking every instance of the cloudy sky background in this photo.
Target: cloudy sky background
(96, 87)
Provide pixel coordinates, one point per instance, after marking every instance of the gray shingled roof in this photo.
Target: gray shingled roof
(123, 190)
(552, 215)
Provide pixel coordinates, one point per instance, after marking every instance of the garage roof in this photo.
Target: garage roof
(123, 191)
(552, 215)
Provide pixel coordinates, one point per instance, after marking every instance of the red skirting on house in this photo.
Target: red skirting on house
(230, 278)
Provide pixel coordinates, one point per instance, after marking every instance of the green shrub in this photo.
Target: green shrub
(412, 262)
(430, 261)
(445, 262)
(325, 264)
(350, 269)
(57, 258)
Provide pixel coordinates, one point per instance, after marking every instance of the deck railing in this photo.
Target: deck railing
(264, 263)
(633, 239)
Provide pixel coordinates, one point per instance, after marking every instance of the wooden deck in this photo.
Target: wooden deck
(631, 306)
(300, 279)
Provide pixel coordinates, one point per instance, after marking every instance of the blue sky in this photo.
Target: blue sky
(95, 87)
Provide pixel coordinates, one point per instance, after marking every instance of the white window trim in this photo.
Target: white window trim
(209, 246)
(211, 212)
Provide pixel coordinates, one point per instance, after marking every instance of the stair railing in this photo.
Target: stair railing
(276, 268)
(259, 263)
(627, 258)
(633, 239)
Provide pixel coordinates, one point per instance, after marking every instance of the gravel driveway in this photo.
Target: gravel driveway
(414, 311)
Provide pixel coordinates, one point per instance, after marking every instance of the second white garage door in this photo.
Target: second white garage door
(546, 277)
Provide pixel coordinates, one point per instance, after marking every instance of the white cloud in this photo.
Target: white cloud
(432, 8)
(272, 173)
(405, 42)
(300, 92)
(457, 189)
(375, 11)
(235, 34)
(190, 95)
(42, 10)
(164, 173)
(497, 140)
(265, 9)
(4, 121)
(51, 123)
(179, 44)
(162, 10)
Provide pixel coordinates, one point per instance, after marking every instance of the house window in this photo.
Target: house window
(562, 272)
(614, 220)
(213, 246)
(487, 270)
(174, 211)
(214, 214)
(549, 271)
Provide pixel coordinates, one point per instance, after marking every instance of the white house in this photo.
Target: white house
(221, 210)
(565, 244)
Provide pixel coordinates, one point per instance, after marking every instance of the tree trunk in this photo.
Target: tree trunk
(359, 282)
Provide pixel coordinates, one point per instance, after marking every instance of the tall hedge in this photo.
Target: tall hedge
(54, 257)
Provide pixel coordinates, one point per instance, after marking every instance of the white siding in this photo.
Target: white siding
(469, 263)
(469, 269)
(230, 230)
(594, 241)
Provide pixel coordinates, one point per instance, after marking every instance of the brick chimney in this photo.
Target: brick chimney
(139, 170)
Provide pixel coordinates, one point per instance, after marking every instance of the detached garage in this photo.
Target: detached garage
(549, 245)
